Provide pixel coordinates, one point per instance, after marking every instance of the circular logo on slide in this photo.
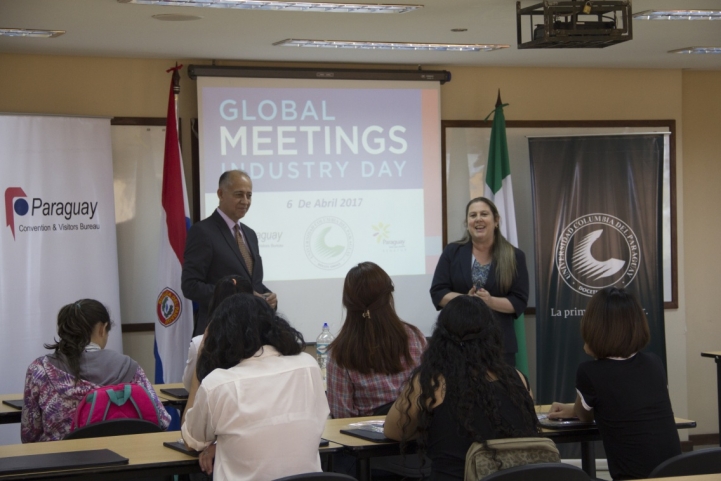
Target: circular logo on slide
(328, 242)
(168, 307)
(597, 251)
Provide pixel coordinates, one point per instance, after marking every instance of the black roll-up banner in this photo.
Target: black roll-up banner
(597, 223)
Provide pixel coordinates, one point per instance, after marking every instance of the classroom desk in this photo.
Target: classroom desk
(698, 477)
(8, 414)
(364, 450)
(717, 356)
(360, 448)
(146, 454)
(586, 436)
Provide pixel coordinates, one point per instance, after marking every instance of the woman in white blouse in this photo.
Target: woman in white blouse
(256, 394)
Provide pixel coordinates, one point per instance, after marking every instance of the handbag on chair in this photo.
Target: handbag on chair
(494, 455)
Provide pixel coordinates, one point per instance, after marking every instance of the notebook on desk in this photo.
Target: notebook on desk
(563, 423)
(15, 403)
(34, 463)
(368, 430)
(180, 393)
(367, 434)
(180, 446)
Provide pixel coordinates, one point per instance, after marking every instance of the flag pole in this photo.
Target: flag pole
(174, 312)
(176, 89)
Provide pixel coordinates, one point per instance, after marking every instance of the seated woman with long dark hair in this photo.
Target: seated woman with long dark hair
(462, 391)
(224, 288)
(375, 351)
(55, 384)
(260, 397)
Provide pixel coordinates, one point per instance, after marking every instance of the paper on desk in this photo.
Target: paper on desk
(373, 425)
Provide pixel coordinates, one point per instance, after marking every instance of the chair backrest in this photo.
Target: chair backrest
(114, 427)
(703, 461)
(384, 409)
(318, 477)
(540, 472)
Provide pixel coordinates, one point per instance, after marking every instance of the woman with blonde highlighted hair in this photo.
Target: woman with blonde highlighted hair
(484, 264)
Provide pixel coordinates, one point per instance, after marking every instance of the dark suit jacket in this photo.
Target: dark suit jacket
(212, 253)
(453, 274)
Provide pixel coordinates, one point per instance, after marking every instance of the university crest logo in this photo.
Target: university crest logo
(596, 251)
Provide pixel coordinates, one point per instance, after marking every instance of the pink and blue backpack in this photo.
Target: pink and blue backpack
(120, 401)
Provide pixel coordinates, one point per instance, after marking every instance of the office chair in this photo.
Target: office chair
(317, 477)
(114, 427)
(540, 472)
(703, 461)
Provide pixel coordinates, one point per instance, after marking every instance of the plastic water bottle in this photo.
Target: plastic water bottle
(321, 349)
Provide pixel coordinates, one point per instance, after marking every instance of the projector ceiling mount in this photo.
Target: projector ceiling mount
(576, 24)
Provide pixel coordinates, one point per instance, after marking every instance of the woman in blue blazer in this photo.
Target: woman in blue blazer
(484, 264)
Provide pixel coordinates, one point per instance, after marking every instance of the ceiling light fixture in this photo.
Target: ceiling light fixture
(174, 17)
(30, 32)
(284, 5)
(436, 47)
(678, 15)
(716, 50)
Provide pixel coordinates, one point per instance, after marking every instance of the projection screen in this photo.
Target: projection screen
(343, 171)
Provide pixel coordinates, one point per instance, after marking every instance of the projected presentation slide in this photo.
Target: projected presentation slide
(343, 171)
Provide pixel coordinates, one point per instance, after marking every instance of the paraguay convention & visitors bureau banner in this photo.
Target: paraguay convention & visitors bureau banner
(597, 220)
(57, 242)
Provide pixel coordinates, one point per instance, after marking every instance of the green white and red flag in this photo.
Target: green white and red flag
(499, 189)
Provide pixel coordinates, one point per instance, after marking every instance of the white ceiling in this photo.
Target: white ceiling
(107, 28)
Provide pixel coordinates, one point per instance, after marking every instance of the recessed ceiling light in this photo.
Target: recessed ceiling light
(438, 47)
(174, 17)
(284, 5)
(716, 50)
(459, 30)
(30, 32)
(678, 15)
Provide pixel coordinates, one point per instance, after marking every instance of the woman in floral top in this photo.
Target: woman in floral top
(55, 384)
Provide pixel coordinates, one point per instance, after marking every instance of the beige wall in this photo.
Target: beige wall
(562, 94)
(702, 200)
(138, 88)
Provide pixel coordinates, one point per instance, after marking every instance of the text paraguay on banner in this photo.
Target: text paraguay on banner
(58, 237)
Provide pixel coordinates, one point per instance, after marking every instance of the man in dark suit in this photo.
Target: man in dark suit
(221, 245)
